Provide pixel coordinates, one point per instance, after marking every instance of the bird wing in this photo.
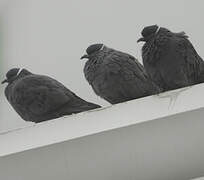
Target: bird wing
(40, 94)
(194, 63)
(130, 74)
(127, 65)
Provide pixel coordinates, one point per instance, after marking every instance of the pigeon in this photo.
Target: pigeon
(116, 76)
(40, 98)
(170, 59)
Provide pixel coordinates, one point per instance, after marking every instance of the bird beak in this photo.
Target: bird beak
(141, 40)
(85, 56)
(5, 81)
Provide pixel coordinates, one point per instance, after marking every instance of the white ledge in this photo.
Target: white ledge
(157, 137)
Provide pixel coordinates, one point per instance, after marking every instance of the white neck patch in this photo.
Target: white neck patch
(102, 47)
(19, 71)
(157, 30)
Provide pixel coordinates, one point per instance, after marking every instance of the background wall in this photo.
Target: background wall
(49, 36)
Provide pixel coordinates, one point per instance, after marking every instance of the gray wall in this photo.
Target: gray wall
(169, 148)
(48, 37)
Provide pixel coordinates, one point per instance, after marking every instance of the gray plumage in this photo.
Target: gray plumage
(170, 59)
(116, 76)
(39, 98)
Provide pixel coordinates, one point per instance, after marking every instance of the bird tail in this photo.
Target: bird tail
(90, 106)
(78, 108)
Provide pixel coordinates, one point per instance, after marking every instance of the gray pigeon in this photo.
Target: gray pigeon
(39, 98)
(170, 59)
(116, 76)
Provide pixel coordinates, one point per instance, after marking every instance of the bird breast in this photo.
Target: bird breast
(91, 69)
(152, 51)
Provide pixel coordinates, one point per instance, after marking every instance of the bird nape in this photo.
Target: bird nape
(40, 98)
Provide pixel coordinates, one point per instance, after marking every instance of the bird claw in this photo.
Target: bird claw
(173, 96)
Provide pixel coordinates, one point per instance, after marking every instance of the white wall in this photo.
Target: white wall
(49, 36)
(83, 148)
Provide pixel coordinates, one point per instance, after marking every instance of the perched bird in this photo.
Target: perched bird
(39, 98)
(116, 76)
(170, 59)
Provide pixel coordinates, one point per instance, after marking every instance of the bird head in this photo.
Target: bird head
(12, 74)
(92, 50)
(148, 33)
